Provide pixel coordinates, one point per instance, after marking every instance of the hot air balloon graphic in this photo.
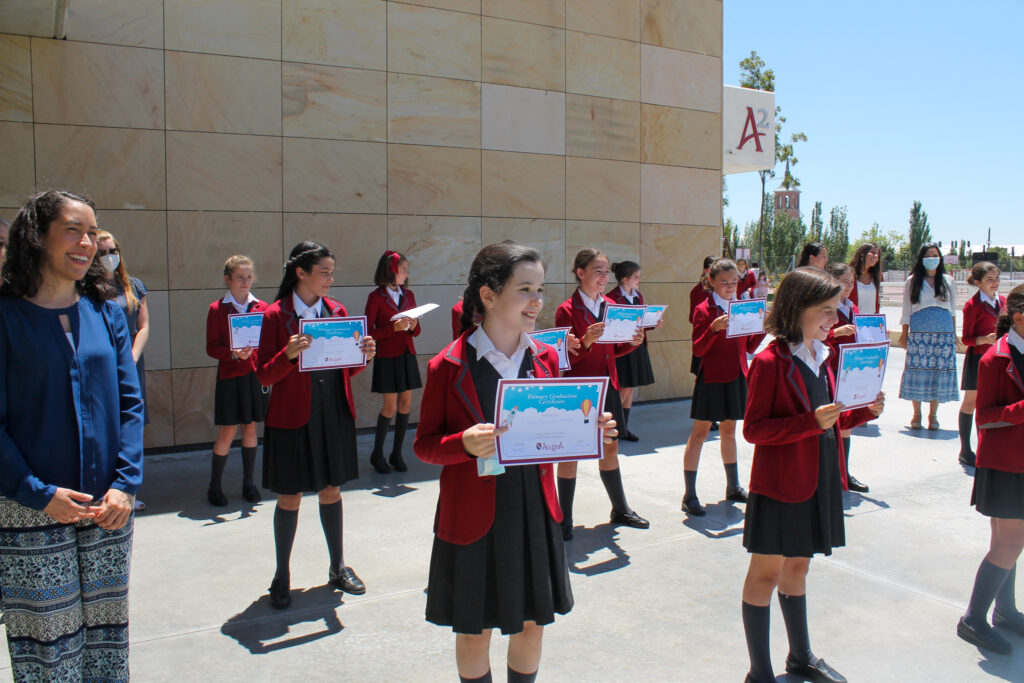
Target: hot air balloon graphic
(585, 408)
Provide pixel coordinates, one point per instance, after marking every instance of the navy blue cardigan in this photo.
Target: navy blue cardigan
(70, 419)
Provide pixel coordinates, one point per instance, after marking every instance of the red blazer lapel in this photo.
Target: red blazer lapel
(577, 304)
(463, 384)
(1003, 350)
(793, 375)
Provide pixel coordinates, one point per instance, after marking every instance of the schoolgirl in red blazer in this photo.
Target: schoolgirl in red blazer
(634, 369)
(867, 273)
(239, 399)
(979, 333)
(720, 393)
(490, 531)
(395, 370)
(701, 291)
(797, 477)
(582, 312)
(999, 481)
(747, 280)
(309, 444)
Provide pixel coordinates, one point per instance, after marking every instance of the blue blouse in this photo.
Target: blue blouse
(69, 417)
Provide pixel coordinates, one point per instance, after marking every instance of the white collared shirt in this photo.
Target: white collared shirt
(866, 297)
(994, 303)
(722, 303)
(812, 359)
(395, 294)
(241, 308)
(507, 367)
(627, 296)
(593, 305)
(304, 311)
(927, 299)
(846, 306)
(1015, 339)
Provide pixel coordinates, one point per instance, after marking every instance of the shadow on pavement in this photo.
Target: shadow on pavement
(719, 522)
(261, 629)
(598, 541)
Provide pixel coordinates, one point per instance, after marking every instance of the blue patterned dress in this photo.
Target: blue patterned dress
(929, 373)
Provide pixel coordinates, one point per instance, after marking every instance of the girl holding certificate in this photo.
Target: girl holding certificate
(239, 400)
(395, 371)
(309, 444)
(498, 559)
(999, 481)
(980, 314)
(721, 390)
(797, 476)
(583, 312)
(867, 271)
(635, 367)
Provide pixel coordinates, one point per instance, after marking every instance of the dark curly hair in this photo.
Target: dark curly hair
(493, 266)
(304, 255)
(22, 272)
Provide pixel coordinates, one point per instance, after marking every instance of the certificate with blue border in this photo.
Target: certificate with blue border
(334, 343)
(652, 316)
(620, 323)
(557, 337)
(746, 317)
(871, 328)
(861, 372)
(244, 329)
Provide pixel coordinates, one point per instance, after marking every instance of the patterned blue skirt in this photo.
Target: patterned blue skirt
(930, 370)
(65, 596)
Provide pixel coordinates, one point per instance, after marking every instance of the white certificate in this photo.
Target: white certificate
(245, 330)
(746, 317)
(652, 316)
(549, 420)
(557, 337)
(871, 328)
(861, 371)
(620, 323)
(415, 312)
(335, 343)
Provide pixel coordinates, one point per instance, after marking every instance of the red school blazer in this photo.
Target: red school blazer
(379, 309)
(833, 341)
(698, 295)
(722, 359)
(457, 320)
(979, 321)
(616, 296)
(780, 422)
(748, 281)
(878, 294)
(1000, 410)
(599, 359)
(289, 401)
(218, 340)
(465, 507)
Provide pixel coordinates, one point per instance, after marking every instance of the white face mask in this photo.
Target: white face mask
(931, 262)
(110, 262)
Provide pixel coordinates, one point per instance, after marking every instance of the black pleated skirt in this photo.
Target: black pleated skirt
(716, 402)
(320, 453)
(635, 368)
(613, 405)
(516, 573)
(395, 375)
(969, 378)
(240, 400)
(998, 494)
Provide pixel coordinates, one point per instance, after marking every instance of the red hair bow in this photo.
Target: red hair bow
(396, 258)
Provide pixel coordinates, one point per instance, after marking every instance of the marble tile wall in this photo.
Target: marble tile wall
(204, 128)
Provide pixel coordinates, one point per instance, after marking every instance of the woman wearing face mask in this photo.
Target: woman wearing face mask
(929, 336)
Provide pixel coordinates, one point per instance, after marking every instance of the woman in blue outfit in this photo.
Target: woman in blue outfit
(70, 449)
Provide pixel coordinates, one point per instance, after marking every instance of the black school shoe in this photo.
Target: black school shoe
(631, 519)
(398, 462)
(968, 459)
(985, 637)
(629, 436)
(280, 595)
(346, 580)
(379, 463)
(855, 485)
(737, 495)
(817, 671)
(251, 493)
(216, 498)
(1013, 622)
(693, 507)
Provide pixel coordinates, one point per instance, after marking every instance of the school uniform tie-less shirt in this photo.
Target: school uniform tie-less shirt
(306, 312)
(812, 359)
(980, 317)
(218, 336)
(599, 359)
(595, 306)
(239, 307)
(381, 305)
(722, 359)
(506, 366)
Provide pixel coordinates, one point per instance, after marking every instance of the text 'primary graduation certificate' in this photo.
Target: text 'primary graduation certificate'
(746, 317)
(558, 337)
(620, 323)
(245, 330)
(861, 371)
(335, 343)
(549, 420)
(870, 328)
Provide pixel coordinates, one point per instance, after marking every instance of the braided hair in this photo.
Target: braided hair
(304, 255)
(493, 267)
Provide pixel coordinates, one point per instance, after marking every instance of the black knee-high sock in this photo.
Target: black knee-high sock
(987, 583)
(248, 464)
(1006, 598)
(625, 420)
(217, 465)
(517, 677)
(285, 522)
(401, 424)
(331, 521)
(756, 623)
(378, 438)
(732, 476)
(612, 480)
(690, 492)
(966, 425)
(566, 493)
(486, 678)
(846, 452)
(794, 613)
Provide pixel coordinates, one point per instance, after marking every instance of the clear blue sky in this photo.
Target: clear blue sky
(899, 101)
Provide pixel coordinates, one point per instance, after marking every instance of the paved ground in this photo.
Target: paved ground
(655, 605)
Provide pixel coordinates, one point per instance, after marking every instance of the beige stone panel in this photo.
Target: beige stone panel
(684, 196)
(549, 12)
(220, 172)
(433, 181)
(546, 236)
(338, 32)
(159, 403)
(433, 42)
(352, 298)
(335, 175)
(523, 185)
(614, 18)
(681, 79)
(471, 6)
(97, 85)
(246, 28)
(437, 325)
(357, 241)
(198, 243)
(143, 239)
(158, 347)
(192, 392)
(691, 25)
(675, 325)
(216, 94)
(116, 167)
(433, 111)
(26, 17)
(681, 137)
(333, 102)
(605, 67)
(521, 54)
(188, 309)
(602, 190)
(368, 404)
(671, 363)
(554, 295)
(15, 78)
(675, 253)
(440, 249)
(115, 22)
(523, 119)
(602, 128)
(17, 172)
(621, 241)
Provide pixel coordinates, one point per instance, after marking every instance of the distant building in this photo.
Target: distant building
(787, 196)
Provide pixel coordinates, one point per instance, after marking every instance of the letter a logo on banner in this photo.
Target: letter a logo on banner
(751, 123)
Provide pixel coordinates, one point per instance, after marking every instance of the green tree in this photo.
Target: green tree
(920, 231)
(837, 236)
(816, 230)
(731, 235)
(890, 243)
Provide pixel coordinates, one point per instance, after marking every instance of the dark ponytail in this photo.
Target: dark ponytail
(1014, 304)
(305, 255)
(493, 267)
(624, 270)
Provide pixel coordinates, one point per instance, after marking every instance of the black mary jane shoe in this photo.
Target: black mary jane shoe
(629, 519)
(985, 637)
(629, 436)
(280, 594)
(251, 493)
(817, 671)
(968, 459)
(379, 463)
(855, 485)
(737, 495)
(347, 581)
(398, 462)
(216, 498)
(693, 507)
(1013, 623)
